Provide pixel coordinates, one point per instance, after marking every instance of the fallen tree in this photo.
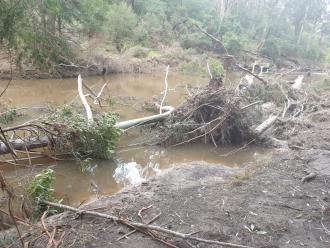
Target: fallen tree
(49, 140)
(67, 126)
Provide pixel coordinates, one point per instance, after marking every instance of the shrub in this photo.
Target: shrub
(120, 23)
(138, 52)
(8, 116)
(41, 190)
(196, 68)
(233, 42)
(216, 68)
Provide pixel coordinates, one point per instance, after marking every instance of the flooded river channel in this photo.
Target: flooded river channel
(124, 95)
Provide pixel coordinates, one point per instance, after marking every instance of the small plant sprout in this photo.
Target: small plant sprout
(254, 230)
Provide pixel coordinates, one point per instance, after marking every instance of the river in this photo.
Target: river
(127, 93)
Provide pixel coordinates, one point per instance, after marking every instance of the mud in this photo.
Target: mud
(261, 205)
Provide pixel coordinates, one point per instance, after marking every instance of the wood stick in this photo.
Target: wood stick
(133, 231)
(144, 226)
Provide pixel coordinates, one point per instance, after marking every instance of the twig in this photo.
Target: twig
(21, 221)
(133, 231)
(199, 136)
(252, 104)
(145, 226)
(6, 188)
(96, 99)
(165, 91)
(42, 220)
(11, 76)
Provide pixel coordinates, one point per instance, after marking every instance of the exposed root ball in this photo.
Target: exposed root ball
(213, 114)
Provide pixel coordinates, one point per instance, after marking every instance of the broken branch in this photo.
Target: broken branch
(144, 226)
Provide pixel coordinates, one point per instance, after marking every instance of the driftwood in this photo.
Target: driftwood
(165, 91)
(266, 124)
(23, 144)
(144, 226)
(84, 102)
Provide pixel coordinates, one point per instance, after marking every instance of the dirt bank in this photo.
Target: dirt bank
(263, 205)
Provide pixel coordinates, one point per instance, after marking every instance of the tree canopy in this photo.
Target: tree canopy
(41, 31)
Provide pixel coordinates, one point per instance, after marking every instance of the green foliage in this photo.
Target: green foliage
(34, 30)
(97, 141)
(216, 68)
(194, 68)
(41, 190)
(138, 52)
(233, 42)
(85, 165)
(120, 22)
(322, 86)
(8, 116)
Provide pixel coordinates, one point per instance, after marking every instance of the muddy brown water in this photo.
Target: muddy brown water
(128, 92)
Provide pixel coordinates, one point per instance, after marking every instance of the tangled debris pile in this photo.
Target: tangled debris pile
(214, 114)
(250, 113)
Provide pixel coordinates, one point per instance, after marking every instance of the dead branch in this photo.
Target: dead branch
(84, 102)
(145, 226)
(266, 124)
(209, 70)
(5, 187)
(165, 91)
(96, 99)
(212, 37)
(133, 231)
(249, 72)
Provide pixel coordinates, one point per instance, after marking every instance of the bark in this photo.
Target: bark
(25, 144)
(266, 124)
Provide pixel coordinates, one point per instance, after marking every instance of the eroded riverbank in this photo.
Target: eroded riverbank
(268, 203)
(264, 205)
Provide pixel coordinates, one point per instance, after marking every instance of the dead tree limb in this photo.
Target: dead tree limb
(165, 91)
(266, 124)
(84, 102)
(212, 37)
(144, 226)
